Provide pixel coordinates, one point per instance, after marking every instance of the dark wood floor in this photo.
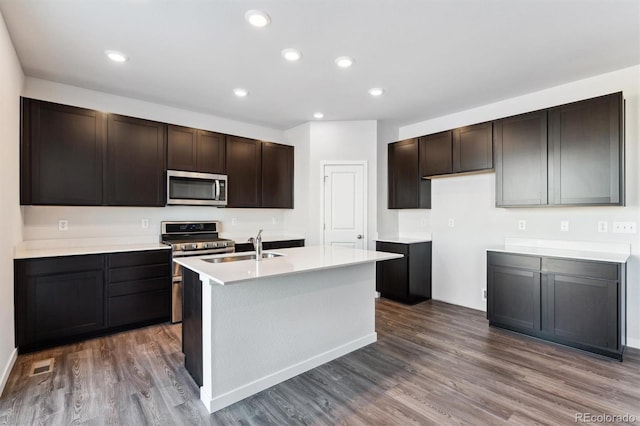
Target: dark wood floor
(433, 363)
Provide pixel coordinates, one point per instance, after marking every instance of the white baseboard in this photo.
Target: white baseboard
(7, 369)
(214, 404)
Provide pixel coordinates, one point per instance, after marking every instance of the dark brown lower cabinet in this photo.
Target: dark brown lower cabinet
(63, 299)
(577, 303)
(270, 245)
(407, 279)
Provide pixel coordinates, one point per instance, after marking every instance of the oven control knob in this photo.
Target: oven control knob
(194, 246)
(225, 244)
(183, 247)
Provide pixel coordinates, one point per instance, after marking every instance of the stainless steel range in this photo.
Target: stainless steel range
(191, 239)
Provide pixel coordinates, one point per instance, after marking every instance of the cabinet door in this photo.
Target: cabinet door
(244, 172)
(406, 189)
(136, 153)
(581, 310)
(182, 148)
(211, 152)
(58, 298)
(277, 175)
(521, 160)
(586, 152)
(513, 297)
(62, 154)
(436, 154)
(473, 148)
(392, 276)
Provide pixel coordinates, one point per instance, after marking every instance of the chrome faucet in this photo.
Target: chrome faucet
(257, 245)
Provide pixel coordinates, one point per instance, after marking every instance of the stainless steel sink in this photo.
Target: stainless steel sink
(266, 255)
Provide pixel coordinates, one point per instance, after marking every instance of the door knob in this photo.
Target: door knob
(359, 236)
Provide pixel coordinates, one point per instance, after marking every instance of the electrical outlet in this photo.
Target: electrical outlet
(564, 225)
(484, 294)
(63, 225)
(603, 226)
(144, 223)
(624, 227)
(451, 223)
(522, 225)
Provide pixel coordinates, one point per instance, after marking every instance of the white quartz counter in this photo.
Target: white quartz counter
(55, 248)
(404, 240)
(293, 261)
(604, 252)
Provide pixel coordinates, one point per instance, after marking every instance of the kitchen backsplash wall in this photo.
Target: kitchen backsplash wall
(41, 222)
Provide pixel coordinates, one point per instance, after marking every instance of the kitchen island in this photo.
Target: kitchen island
(249, 325)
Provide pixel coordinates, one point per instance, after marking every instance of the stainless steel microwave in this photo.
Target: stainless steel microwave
(196, 189)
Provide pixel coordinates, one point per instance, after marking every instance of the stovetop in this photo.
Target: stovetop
(190, 236)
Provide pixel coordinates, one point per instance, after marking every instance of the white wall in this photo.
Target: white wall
(42, 222)
(387, 219)
(331, 141)
(459, 259)
(10, 222)
(297, 220)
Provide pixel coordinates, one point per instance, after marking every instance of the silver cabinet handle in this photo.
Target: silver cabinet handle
(359, 236)
(217, 190)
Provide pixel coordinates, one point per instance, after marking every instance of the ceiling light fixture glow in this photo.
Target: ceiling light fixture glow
(376, 91)
(318, 115)
(344, 61)
(116, 56)
(257, 18)
(241, 93)
(291, 55)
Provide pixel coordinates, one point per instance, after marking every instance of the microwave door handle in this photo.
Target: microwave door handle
(217, 190)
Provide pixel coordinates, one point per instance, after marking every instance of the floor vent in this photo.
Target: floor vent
(42, 367)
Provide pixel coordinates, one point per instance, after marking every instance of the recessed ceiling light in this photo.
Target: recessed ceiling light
(318, 115)
(291, 55)
(376, 91)
(116, 56)
(344, 61)
(257, 18)
(241, 93)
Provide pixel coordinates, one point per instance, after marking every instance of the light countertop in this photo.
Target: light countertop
(404, 239)
(294, 261)
(73, 247)
(581, 250)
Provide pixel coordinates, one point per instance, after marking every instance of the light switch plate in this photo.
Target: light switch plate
(624, 227)
(144, 223)
(564, 225)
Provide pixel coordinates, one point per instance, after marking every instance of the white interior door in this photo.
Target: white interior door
(344, 205)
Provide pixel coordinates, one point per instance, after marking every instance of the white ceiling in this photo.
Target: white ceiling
(433, 57)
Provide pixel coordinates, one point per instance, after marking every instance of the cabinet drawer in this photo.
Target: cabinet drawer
(58, 265)
(514, 260)
(393, 247)
(134, 308)
(137, 258)
(602, 270)
(133, 287)
(139, 273)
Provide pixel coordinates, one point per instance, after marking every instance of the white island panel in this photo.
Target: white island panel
(266, 331)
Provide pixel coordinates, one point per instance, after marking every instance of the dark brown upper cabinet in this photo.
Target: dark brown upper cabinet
(586, 152)
(563, 156)
(436, 154)
(244, 172)
(407, 190)
(195, 150)
(136, 162)
(62, 154)
(521, 160)
(277, 175)
(473, 148)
